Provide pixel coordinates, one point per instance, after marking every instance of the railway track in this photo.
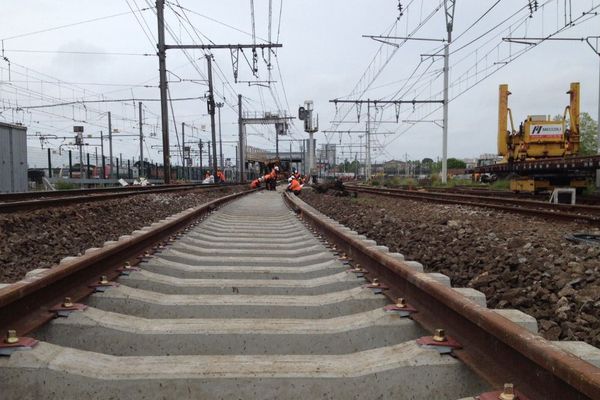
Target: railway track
(581, 199)
(580, 212)
(13, 202)
(256, 301)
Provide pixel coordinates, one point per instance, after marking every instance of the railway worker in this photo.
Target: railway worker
(271, 178)
(208, 178)
(255, 183)
(220, 176)
(294, 185)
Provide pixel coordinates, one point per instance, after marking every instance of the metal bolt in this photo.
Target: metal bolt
(401, 302)
(67, 302)
(127, 265)
(439, 336)
(508, 393)
(103, 280)
(375, 282)
(11, 337)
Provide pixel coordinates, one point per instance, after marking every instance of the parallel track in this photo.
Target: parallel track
(588, 213)
(254, 303)
(29, 201)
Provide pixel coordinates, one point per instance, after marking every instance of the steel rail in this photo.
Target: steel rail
(484, 192)
(19, 196)
(497, 349)
(24, 305)
(530, 207)
(86, 198)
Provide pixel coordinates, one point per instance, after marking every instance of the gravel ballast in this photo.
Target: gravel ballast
(41, 238)
(518, 262)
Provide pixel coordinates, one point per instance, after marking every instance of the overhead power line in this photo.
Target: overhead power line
(20, 35)
(68, 103)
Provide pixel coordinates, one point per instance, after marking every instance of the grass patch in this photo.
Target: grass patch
(501, 184)
(64, 185)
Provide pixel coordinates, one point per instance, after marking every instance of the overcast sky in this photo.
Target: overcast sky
(323, 57)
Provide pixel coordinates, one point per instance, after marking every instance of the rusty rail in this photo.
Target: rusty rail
(589, 213)
(496, 348)
(83, 196)
(24, 305)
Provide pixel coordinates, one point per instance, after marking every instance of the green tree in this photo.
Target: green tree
(588, 130)
(454, 163)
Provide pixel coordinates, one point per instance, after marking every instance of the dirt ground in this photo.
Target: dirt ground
(517, 261)
(41, 238)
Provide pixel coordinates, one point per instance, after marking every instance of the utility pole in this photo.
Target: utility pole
(110, 149)
(449, 8)
(237, 164)
(183, 148)
(209, 158)
(79, 142)
(141, 171)
(598, 121)
(368, 143)
(102, 151)
(221, 164)
(241, 139)
(211, 110)
(276, 142)
(162, 68)
(200, 149)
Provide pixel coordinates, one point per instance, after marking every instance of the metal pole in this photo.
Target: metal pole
(209, 157)
(200, 148)
(368, 143)
(445, 121)
(598, 138)
(449, 9)
(237, 163)
(110, 149)
(162, 67)
(118, 177)
(211, 111)
(241, 139)
(141, 171)
(103, 167)
(81, 165)
(49, 163)
(219, 106)
(102, 147)
(276, 143)
(70, 164)
(183, 147)
(87, 172)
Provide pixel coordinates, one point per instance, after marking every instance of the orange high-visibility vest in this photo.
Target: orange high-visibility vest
(295, 186)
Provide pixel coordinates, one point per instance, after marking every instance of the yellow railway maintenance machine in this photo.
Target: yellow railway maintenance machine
(539, 138)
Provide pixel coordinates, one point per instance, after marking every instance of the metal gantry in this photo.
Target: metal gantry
(162, 48)
(370, 102)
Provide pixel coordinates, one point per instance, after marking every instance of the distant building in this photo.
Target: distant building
(471, 162)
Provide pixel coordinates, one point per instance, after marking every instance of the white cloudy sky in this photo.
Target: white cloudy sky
(323, 57)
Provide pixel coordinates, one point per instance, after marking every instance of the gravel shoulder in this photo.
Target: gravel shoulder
(518, 262)
(41, 238)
